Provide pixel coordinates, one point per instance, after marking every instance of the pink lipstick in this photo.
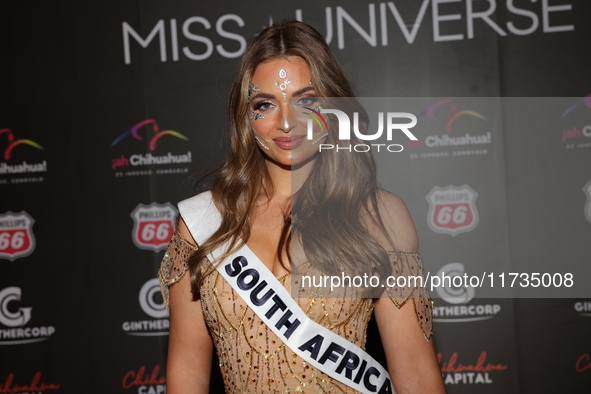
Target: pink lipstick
(289, 142)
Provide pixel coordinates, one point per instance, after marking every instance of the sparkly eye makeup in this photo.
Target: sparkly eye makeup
(255, 116)
(262, 106)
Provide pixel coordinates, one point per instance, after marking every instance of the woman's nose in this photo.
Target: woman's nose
(287, 123)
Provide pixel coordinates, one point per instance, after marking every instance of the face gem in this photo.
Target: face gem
(255, 116)
(252, 88)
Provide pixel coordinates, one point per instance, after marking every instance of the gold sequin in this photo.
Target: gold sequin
(252, 358)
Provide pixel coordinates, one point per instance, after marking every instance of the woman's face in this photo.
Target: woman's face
(281, 99)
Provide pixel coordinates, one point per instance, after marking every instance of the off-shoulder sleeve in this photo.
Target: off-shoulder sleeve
(409, 270)
(174, 264)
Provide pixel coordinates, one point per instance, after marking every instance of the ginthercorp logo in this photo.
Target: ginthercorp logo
(457, 132)
(452, 209)
(142, 160)
(587, 190)
(15, 317)
(583, 308)
(153, 225)
(26, 172)
(153, 382)
(150, 301)
(459, 294)
(16, 235)
(345, 130)
(578, 132)
(463, 372)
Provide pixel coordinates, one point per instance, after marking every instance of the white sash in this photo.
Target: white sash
(272, 303)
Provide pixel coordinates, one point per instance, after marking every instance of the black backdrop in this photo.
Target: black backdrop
(79, 308)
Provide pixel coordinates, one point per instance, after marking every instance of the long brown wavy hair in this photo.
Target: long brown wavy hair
(329, 213)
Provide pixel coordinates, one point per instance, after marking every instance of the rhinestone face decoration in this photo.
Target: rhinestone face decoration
(255, 116)
(252, 88)
(261, 143)
(283, 84)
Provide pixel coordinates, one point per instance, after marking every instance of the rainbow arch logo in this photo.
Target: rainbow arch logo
(455, 114)
(318, 118)
(155, 129)
(586, 101)
(13, 144)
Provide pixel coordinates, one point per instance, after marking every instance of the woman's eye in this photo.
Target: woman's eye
(307, 101)
(262, 106)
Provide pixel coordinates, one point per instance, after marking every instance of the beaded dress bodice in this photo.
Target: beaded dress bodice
(252, 358)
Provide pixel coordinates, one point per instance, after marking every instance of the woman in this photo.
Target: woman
(288, 203)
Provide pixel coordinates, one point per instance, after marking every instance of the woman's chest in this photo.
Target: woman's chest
(226, 312)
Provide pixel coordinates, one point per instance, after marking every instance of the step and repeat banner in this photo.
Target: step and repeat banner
(110, 110)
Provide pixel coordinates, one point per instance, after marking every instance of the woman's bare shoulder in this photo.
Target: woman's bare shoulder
(184, 231)
(397, 221)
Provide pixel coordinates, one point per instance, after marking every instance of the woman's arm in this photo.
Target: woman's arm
(411, 359)
(412, 363)
(190, 346)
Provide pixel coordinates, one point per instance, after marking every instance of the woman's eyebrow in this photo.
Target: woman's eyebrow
(263, 95)
(302, 91)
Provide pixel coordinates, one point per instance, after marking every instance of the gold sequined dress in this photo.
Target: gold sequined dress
(252, 358)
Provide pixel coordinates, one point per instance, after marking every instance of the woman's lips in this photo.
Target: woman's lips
(289, 142)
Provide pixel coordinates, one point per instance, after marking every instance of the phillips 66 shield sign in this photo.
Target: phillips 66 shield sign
(153, 225)
(452, 209)
(16, 235)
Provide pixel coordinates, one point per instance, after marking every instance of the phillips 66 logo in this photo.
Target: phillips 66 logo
(452, 210)
(16, 235)
(153, 225)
